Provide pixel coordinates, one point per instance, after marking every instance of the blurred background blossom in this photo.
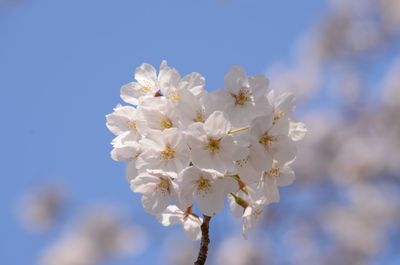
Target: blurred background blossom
(62, 63)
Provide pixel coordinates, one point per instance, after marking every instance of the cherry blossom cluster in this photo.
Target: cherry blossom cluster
(188, 149)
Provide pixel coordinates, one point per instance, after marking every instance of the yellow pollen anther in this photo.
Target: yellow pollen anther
(132, 125)
(163, 186)
(279, 114)
(213, 145)
(203, 185)
(168, 153)
(274, 172)
(242, 162)
(146, 89)
(200, 117)
(242, 97)
(267, 139)
(174, 96)
(165, 123)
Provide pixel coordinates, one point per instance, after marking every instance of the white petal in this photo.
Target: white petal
(212, 202)
(259, 85)
(217, 125)
(192, 228)
(286, 176)
(131, 92)
(297, 131)
(234, 79)
(194, 82)
(146, 75)
(155, 203)
(131, 171)
(172, 215)
(286, 103)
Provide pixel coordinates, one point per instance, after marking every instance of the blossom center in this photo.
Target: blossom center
(168, 153)
(274, 172)
(242, 97)
(165, 123)
(163, 186)
(200, 117)
(132, 125)
(267, 139)
(203, 185)
(213, 144)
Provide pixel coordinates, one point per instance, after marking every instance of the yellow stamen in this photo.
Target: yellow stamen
(242, 97)
(203, 185)
(279, 114)
(200, 117)
(165, 123)
(163, 186)
(132, 124)
(168, 153)
(242, 162)
(274, 172)
(213, 145)
(174, 96)
(146, 89)
(267, 139)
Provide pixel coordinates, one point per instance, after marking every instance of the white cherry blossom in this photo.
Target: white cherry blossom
(157, 187)
(172, 85)
(189, 149)
(166, 150)
(172, 215)
(156, 114)
(273, 137)
(212, 146)
(283, 105)
(128, 150)
(192, 108)
(243, 98)
(252, 166)
(251, 215)
(277, 176)
(209, 187)
(146, 85)
(122, 120)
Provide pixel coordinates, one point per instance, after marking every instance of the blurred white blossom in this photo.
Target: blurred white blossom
(99, 235)
(41, 208)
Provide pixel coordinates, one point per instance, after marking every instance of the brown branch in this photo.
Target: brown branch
(205, 240)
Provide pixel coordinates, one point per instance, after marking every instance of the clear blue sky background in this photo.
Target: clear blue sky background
(62, 64)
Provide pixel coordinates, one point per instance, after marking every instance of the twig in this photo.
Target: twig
(205, 240)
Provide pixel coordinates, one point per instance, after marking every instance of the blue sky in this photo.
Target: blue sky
(62, 64)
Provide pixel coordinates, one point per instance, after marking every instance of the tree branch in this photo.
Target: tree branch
(205, 240)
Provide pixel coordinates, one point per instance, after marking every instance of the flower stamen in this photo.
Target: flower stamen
(132, 124)
(168, 153)
(203, 185)
(278, 115)
(267, 139)
(163, 186)
(200, 117)
(242, 97)
(213, 145)
(174, 96)
(165, 123)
